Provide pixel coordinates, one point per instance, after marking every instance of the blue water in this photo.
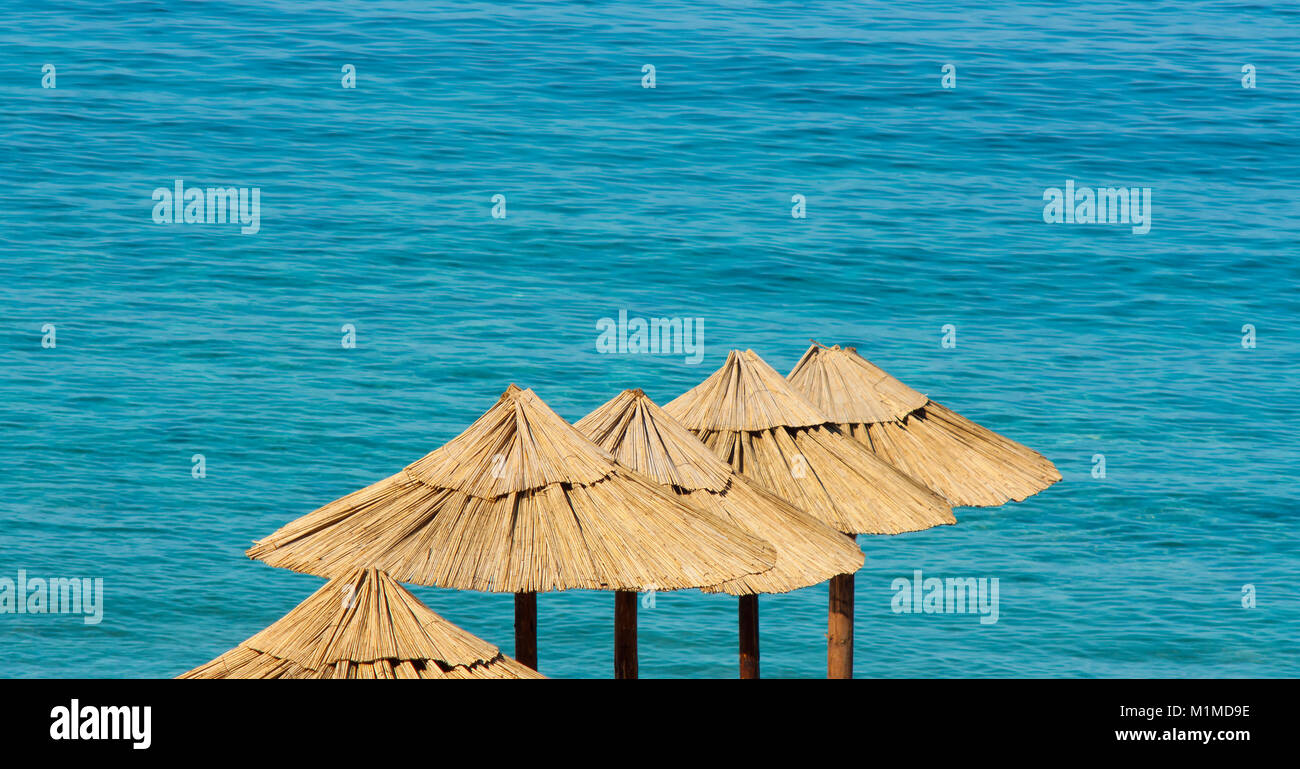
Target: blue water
(924, 208)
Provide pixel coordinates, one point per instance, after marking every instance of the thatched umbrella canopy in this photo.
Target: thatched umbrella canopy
(521, 502)
(642, 436)
(751, 418)
(363, 625)
(966, 462)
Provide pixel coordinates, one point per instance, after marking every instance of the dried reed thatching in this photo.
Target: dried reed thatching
(520, 502)
(967, 463)
(643, 437)
(750, 417)
(363, 625)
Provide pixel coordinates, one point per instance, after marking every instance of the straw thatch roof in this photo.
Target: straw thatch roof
(363, 625)
(642, 436)
(967, 463)
(519, 502)
(750, 417)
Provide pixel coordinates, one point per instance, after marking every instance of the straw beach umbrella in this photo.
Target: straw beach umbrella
(750, 417)
(967, 463)
(642, 436)
(363, 625)
(521, 502)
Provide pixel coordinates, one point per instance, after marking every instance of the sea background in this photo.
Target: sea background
(924, 208)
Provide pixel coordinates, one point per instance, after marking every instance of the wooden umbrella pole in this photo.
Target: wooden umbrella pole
(839, 629)
(625, 634)
(749, 636)
(526, 629)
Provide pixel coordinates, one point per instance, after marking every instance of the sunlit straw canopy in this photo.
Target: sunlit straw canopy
(642, 436)
(966, 462)
(750, 417)
(519, 502)
(363, 625)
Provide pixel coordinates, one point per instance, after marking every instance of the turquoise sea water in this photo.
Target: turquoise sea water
(924, 208)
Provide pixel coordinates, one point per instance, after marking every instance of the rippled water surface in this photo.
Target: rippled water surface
(924, 208)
